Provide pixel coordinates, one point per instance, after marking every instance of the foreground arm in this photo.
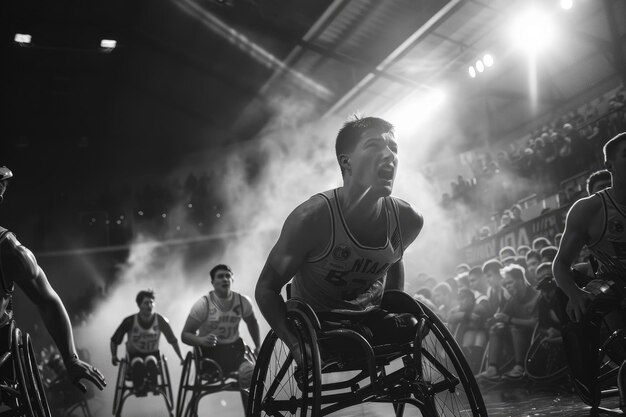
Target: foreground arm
(164, 324)
(189, 335)
(21, 264)
(574, 238)
(255, 332)
(300, 234)
(117, 338)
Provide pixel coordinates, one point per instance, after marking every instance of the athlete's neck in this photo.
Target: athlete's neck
(224, 295)
(360, 204)
(146, 317)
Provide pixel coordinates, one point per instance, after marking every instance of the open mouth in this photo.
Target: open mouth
(386, 173)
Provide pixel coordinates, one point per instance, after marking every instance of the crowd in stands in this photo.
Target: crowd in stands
(567, 146)
(496, 309)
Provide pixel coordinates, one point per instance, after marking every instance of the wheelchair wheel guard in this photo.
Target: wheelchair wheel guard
(279, 385)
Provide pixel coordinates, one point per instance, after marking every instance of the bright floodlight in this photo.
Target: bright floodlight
(22, 38)
(488, 60)
(472, 71)
(532, 31)
(108, 43)
(480, 67)
(567, 4)
(415, 110)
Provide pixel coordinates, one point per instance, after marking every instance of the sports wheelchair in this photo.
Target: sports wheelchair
(21, 387)
(429, 372)
(124, 387)
(202, 376)
(545, 359)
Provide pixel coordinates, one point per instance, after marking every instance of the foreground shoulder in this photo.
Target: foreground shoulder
(411, 220)
(18, 258)
(311, 212)
(585, 207)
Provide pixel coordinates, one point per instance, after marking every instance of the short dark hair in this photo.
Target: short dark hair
(507, 248)
(217, 268)
(143, 294)
(610, 148)
(549, 252)
(476, 270)
(540, 239)
(596, 177)
(350, 133)
(532, 254)
(492, 264)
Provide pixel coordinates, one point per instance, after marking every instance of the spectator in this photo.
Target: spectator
(496, 294)
(509, 260)
(548, 253)
(469, 327)
(443, 299)
(514, 325)
(505, 222)
(533, 259)
(540, 243)
(506, 252)
(460, 268)
(516, 215)
(557, 239)
(522, 250)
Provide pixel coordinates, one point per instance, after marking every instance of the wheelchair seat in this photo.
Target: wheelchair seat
(124, 387)
(202, 376)
(428, 372)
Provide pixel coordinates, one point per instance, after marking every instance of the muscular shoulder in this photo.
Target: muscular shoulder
(584, 211)
(17, 259)
(411, 222)
(308, 224)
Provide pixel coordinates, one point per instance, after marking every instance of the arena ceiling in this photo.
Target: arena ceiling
(191, 75)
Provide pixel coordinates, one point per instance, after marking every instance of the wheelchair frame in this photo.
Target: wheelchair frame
(280, 387)
(124, 386)
(195, 385)
(21, 387)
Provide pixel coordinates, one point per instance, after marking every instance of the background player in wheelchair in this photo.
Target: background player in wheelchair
(213, 327)
(143, 331)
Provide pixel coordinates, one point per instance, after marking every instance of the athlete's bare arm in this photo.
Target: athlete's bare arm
(411, 223)
(580, 219)
(189, 335)
(306, 232)
(255, 332)
(21, 265)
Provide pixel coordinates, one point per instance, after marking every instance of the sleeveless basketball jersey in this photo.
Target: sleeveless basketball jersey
(142, 340)
(610, 247)
(346, 268)
(224, 322)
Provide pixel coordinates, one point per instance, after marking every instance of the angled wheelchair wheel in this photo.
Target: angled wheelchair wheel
(166, 384)
(279, 386)
(545, 361)
(448, 387)
(32, 400)
(119, 387)
(185, 388)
